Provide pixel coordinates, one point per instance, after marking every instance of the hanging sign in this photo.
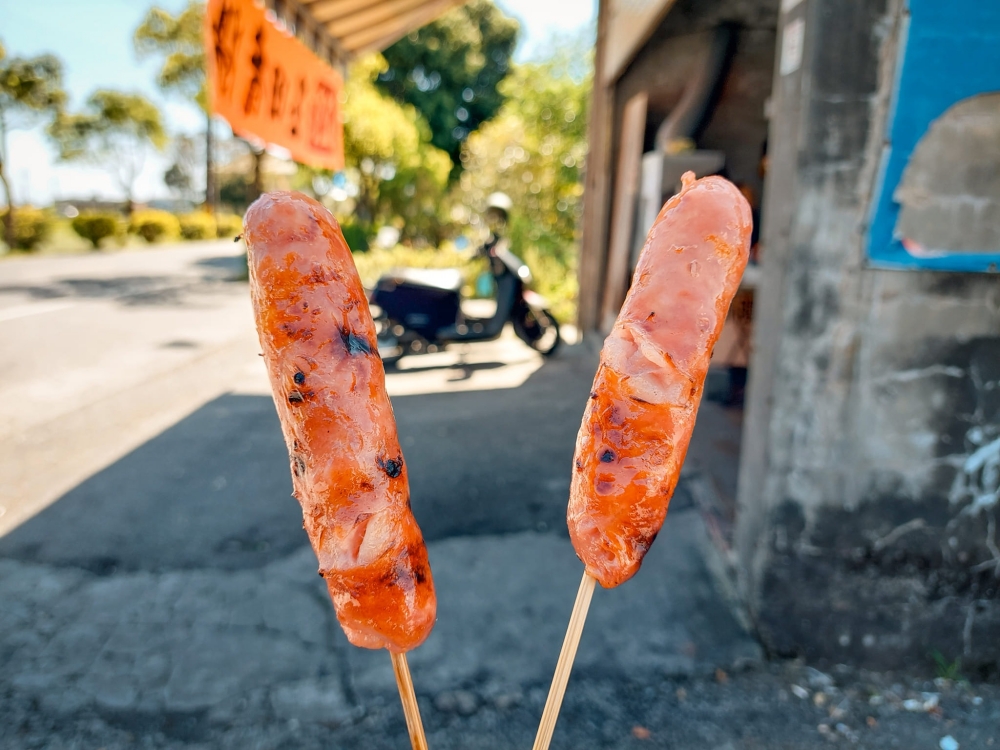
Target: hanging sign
(270, 86)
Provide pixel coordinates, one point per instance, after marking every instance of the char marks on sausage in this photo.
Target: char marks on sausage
(348, 472)
(641, 413)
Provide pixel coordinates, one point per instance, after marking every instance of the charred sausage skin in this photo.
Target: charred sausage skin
(638, 422)
(319, 344)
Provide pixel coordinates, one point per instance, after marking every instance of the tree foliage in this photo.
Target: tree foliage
(179, 41)
(177, 179)
(450, 71)
(535, 150)
(30, 89)
(115, 130)
(401, 177)
(187, 154)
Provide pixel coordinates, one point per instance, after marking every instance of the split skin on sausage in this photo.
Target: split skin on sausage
(638, 422)
(319, 344)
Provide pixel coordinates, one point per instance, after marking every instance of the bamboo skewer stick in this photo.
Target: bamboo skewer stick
(410, 708)
(565, 664)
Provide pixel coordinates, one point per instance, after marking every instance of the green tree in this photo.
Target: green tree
(179, 176)
(450, 71)
(401, 176)
(30, 88)
(534, 150)
(115, 131)
(179, 41)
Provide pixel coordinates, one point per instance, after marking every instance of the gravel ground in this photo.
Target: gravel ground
(773, 706)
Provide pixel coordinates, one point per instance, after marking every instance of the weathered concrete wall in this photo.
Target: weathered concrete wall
(868, 500)
(663, 66)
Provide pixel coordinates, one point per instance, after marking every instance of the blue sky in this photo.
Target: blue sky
(93, 38)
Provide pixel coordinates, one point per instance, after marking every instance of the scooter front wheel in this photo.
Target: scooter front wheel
(539, 329)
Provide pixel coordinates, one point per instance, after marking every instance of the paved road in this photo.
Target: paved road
(99, 353)
(155, 582)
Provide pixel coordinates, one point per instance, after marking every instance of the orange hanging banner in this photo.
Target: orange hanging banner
(270, 86)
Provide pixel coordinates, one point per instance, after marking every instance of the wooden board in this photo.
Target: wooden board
(597, 189)
(623, 213)
(630, 24)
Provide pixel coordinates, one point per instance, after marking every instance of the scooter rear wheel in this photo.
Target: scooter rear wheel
(539, 329)
(390, 348)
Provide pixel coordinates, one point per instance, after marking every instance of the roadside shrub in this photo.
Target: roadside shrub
(94, 226)
(153, 225)
(378, 261)
(197, 226)
(32, 226)
(356, 236)
(555, 279)
(228, 226)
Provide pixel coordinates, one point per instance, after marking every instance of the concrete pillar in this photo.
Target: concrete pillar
(868, 513)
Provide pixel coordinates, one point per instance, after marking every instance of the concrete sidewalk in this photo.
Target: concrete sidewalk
(255, 647)
(172, 597)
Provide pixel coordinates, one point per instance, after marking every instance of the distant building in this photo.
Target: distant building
(72, 206)
(865, 525)
(173, 205)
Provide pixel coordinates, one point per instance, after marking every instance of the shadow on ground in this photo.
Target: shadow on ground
(214, 489)
(138, 289)
(232, 265)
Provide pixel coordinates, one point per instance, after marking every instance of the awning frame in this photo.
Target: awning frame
(339, 30)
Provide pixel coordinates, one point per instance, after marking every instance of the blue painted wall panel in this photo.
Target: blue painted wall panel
(951, 52)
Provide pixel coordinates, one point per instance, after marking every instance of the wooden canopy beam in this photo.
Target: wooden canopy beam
(361, 26)
(332, 10)
(382, 35)
(372, 16)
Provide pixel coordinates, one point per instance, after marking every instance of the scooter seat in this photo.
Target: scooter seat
(448, 279)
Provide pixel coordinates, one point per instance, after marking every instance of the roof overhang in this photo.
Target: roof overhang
(630, 25)
(339, 30)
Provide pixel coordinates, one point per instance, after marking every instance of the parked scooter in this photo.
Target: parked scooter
(419, 310)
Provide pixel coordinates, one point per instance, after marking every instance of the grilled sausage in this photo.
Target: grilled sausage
(642, 408)
(319, 343)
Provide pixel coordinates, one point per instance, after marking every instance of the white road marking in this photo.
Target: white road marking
(36, 308)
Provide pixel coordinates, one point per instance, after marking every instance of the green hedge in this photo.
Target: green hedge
(153, 225)
(228, 226)
(95, 226)
(198, 225)
(201, 225)
(32, 226)
(356, 236)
